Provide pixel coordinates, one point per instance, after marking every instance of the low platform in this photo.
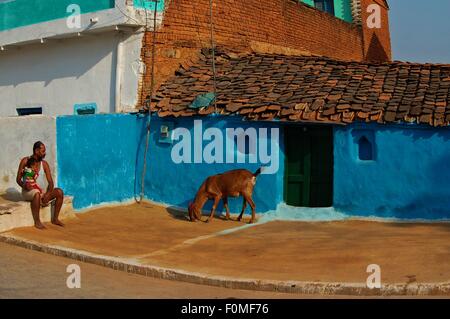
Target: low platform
(16, 213)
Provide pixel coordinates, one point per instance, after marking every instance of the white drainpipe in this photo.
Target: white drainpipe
(119, 71)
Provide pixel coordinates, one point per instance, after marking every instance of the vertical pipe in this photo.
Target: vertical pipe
(119, 67)
(152, 87)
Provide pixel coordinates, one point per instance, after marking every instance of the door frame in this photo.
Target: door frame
(285, 179)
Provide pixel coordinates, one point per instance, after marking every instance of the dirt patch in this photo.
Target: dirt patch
(297, 251)
(125, 231)
(323, 252)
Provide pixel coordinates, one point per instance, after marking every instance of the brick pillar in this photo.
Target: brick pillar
(377, 41)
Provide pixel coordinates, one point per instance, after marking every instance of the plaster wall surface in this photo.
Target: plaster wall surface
(101, 160)
(28, 23)
(97, 157)
(56, 75)
(407, 178)
(176, 184)
(342, 9)
(19, 13)
(17, 136)
(131, 70)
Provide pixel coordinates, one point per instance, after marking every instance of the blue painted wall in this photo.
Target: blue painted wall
(100, 159)
(177, 184)
(149, 4)
(342, 9)
(408, 178)
(96, 157)
(18, 13)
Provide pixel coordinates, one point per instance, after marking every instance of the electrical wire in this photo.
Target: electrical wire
(152, 84)
(128, 16)
(213, 53)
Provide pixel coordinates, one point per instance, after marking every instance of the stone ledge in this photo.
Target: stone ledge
(15, 213)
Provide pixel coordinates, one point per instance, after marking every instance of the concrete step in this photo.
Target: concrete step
(15, 213)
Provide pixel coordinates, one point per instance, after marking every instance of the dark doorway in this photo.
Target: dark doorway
(309, 166)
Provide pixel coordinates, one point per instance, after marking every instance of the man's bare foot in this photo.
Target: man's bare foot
(39, 226)
(57, 222)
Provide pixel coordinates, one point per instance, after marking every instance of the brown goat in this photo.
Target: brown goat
(239, 182)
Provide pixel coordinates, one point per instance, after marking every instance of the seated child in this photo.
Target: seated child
(30, 174)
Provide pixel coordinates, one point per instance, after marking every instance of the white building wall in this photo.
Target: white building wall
(57, 75)
(17, 136)
(60, 73)
(75, 66)
(132, 71)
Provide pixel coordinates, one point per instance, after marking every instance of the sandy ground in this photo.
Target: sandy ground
(322, 252)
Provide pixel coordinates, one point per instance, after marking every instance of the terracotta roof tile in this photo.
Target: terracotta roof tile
(308, 88)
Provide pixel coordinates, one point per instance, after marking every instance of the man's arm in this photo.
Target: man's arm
(19, 181)
(49, 176)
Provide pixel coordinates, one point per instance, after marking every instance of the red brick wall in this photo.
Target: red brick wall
(280, 22)
(377, 42)
(242, 25)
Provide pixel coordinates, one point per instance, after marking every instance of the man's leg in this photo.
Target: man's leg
(58, 195)
(35, 208)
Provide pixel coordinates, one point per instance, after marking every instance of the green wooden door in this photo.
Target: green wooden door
(309, 166)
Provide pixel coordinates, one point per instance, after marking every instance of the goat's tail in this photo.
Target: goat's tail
(258, 171)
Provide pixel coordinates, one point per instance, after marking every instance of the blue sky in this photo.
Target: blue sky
(420, 30)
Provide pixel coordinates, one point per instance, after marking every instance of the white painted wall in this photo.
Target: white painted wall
(58, 74)
(132, 70)
(17, 136)
(69, 69)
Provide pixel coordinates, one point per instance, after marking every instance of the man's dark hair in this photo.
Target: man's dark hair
(37, 146)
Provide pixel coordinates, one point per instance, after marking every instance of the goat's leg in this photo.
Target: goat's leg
(191, 215)
(197, 212)
(252, 205)
(198, 215)
(213, 209)
(244, 206)
(225, 204)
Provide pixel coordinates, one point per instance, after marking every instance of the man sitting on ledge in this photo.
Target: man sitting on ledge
(33, 194)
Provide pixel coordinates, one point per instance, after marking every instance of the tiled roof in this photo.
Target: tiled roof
(310, 89)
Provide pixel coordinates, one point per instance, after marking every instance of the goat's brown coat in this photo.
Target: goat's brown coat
(239, 182)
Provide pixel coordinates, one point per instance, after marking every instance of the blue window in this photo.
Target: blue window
(365, 146)
(325, 5)
(365, 149)
(85, 109)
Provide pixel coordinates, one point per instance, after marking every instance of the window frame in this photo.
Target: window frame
(325, 6)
